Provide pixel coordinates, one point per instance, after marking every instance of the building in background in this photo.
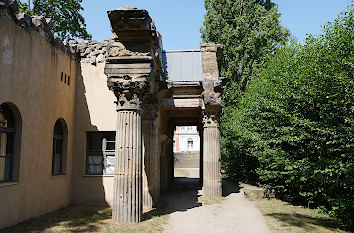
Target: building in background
(186, 138)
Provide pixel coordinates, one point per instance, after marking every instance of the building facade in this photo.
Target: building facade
(68, 137)
(186, 139)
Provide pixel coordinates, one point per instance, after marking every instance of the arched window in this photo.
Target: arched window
(7, 143)
(59, 149)
(190, 144)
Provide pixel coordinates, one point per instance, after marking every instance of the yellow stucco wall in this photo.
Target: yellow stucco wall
(95, 111)
(30, 70)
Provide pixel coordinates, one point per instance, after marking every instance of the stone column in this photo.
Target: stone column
(134, 70)
(150, 153)
(127, 199)
(211, 155)
(201, 139)
(163, 141)
(156, 172)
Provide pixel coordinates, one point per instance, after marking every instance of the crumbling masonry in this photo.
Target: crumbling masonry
(154, 91)
(134, 68)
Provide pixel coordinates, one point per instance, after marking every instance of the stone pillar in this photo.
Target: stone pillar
(201, 139)
(127, 199)
(163, 141)
(211, 155)
(171, 157)
(150, 156)
(211, 110)
(211, 53)
(156, 170)
(134, 70)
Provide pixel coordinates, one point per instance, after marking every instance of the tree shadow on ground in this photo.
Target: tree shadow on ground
(304, 221)
(77, 218)
(182, 196)
(229, 186)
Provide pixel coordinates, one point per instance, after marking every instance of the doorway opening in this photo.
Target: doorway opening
(186, 153)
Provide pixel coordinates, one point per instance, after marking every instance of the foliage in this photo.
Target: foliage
(248, 30)
(296, 121)
(68, 22)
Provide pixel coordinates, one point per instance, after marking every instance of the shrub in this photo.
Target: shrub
(293, 128)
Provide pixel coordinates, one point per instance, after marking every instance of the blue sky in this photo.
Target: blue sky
(179, 21)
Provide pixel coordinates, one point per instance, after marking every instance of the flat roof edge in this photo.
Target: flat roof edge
(180, 51)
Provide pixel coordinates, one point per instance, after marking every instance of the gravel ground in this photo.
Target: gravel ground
(233, 214)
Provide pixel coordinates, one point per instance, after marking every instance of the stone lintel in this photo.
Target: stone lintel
(128, 59)
(180, 103)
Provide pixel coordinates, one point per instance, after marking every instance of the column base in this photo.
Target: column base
(212, 189)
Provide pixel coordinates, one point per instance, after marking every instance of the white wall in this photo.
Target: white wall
(181, 136)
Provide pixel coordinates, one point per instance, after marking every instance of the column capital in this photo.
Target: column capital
(211, 95)
(129, 94)
(211, 117)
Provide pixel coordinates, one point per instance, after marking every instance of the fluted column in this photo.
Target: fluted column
(200, 130)
(211, 155)
(150, 156)
(127, 199)
(134, 71)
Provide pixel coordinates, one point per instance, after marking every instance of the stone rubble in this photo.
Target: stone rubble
(90, 51)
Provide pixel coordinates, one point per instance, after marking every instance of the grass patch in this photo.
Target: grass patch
(283, 217)
(88, 219)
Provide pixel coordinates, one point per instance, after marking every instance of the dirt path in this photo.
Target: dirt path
(234, 214)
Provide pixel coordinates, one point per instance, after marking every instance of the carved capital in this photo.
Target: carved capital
(212, 93)
(126, 83)
(211, 118)
(129, 94)
(128, 101)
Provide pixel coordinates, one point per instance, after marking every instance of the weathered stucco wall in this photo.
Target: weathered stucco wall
(95, 111)
(30, 78)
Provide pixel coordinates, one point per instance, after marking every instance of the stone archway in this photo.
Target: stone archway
(151, 98)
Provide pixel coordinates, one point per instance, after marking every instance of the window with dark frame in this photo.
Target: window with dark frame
(7, 140)
(100, 155)
(190, 143)
(58, 149)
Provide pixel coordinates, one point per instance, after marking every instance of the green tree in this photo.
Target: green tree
(68, 22)
(296, 119)
(248, 30)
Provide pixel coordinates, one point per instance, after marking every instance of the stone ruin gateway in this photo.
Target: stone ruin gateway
(55, 92)
(136, 74)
